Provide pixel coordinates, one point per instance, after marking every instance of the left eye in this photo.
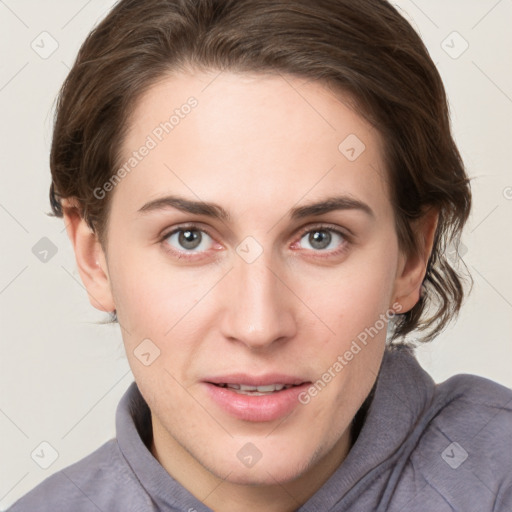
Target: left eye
(189, 240)
(323, 239)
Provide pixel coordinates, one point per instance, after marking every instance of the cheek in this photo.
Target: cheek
(353, 296)
(354, 304)
(164, 304)
(147, 291)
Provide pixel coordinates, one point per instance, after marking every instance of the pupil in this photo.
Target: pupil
(320, 239)
(189, 239)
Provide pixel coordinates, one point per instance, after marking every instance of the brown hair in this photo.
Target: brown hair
(364, 48)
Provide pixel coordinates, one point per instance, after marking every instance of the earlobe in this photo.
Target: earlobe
(412, 268)
(90, 258)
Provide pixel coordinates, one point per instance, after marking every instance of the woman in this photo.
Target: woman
(261, 193)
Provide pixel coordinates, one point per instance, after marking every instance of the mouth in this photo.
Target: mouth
(244, 389)
(256, 399)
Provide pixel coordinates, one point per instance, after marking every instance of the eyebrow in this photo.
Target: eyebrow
(216, 211)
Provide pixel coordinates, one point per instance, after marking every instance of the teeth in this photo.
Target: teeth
(270, 388)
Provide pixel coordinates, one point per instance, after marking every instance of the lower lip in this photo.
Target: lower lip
(256, 408)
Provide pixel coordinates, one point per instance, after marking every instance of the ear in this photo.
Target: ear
(412, 268)
(90, 258)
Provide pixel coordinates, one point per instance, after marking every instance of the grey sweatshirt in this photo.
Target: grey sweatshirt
(422, 448)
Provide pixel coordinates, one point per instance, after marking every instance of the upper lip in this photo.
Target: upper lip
(256, 380)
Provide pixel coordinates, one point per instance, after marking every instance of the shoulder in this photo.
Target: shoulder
(99, 481)
(464, 451)
(474, 406)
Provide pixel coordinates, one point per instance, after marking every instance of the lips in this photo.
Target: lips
(255, 398)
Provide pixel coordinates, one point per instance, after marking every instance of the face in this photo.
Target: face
(252, 247)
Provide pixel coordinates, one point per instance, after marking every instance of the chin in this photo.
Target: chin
(266, 475)
(278, 467)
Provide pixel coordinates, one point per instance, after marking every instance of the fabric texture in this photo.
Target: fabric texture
(422, 447)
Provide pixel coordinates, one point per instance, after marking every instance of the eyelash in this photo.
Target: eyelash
(190, 255)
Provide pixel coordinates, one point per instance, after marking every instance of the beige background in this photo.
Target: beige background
(62, 375)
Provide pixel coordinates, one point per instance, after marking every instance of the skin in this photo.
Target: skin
(258, 146)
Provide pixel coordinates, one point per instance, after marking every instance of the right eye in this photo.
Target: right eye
(188, 240)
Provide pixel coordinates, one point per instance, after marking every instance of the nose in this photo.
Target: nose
(258, 306)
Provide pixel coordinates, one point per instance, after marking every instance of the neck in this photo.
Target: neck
(221, 495)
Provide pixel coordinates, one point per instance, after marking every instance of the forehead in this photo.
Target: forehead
(250, 140)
